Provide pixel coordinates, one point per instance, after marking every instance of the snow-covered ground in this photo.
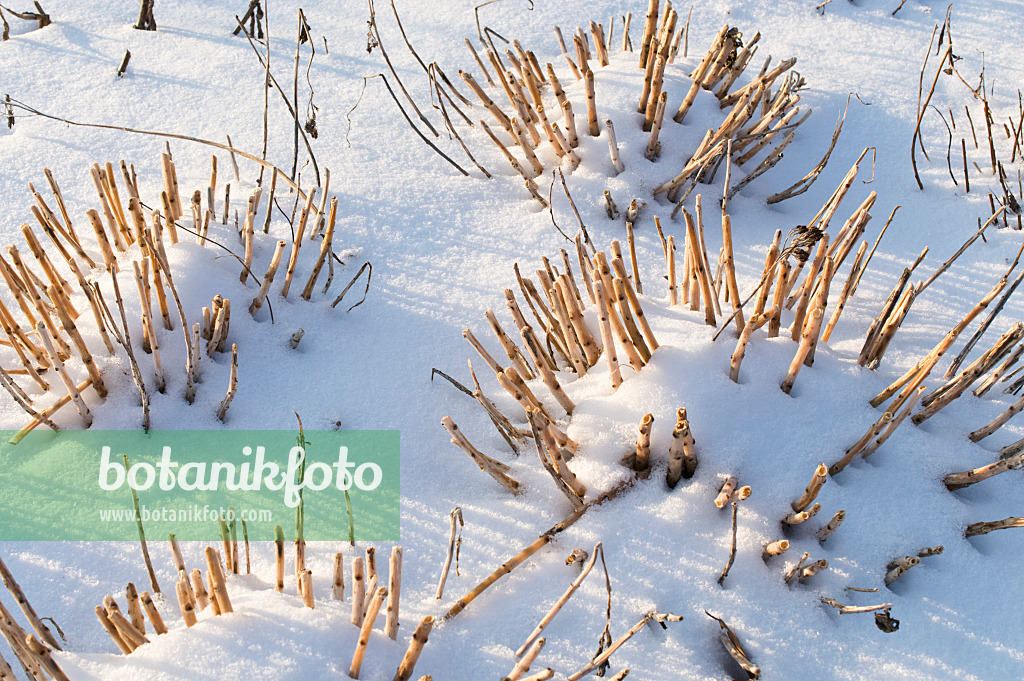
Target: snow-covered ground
(443, 248)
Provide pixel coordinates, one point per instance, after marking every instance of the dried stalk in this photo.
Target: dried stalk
(601, 659)
(975, 529)
(412, 654)
(955, 481)
(364, 632)
(454, 543)
(811, 493)
(732, 549)
(232, 384)
(732, 645)
(537, 545)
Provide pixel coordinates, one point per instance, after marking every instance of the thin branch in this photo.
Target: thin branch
(369, 276)
(376, 36)
(413, 125)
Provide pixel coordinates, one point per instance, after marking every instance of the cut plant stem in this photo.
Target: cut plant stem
(955, 481)
(975, 529)
(412, 654)
(364, 632)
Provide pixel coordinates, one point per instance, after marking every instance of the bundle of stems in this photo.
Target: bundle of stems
(906, 386)
(491, 466)
(49, 292)
(955, 387)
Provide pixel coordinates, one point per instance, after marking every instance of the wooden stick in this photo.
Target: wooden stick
(220, 587)
(536, 546)
(730, 272)
(802, 516)
(187, 609)
(110, 262)
(248, 232)
(412, 654)
(650, 25)
(870, 351)
(47, 662)
(848, 287)
(588, 84)
(603, 657)
(513, 353)
(394, 587)
(214, 606)
(809, 336)
(492, 467)
(643, 444)
(30, 614)
(58, 365)
(955, 481)
(232, 384)
(916, 375)
(523, 664)
(606, 334)
(634, 337)
(568, 332)
(998, 374)
(613, 147)
(364, 632)
(700, 269)
(60, 204)
(975, 529)
(591, 353)
(775, 548)
(488, 103)
(112, 630)
(453, 547)
(649, 70)
(997, 422)
(682, 451)
(306, 588)
(138, 619)
(673, 295)
(358, 591)
(954, 388)
(370, 562)
(893, 424)
(325, 250)
(974, 237)
(552, 458)
(732, 549)
(94, 173)
(16, 637)
(153, 614)
(809, 495)
(202, 597)
(297, 243)
(829, 529)
(268, 279)
(983, 327)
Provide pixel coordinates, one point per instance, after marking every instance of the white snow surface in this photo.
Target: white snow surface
(443, 247)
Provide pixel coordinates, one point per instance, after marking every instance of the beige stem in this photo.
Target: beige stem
(811, 493)
(364, 632)
(297, 243)
(202, 598)
(338, 585)
(394, 590)
(358, 591)
(268, 279)
(412, 654)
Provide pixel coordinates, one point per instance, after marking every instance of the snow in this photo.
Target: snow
(442, 248)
